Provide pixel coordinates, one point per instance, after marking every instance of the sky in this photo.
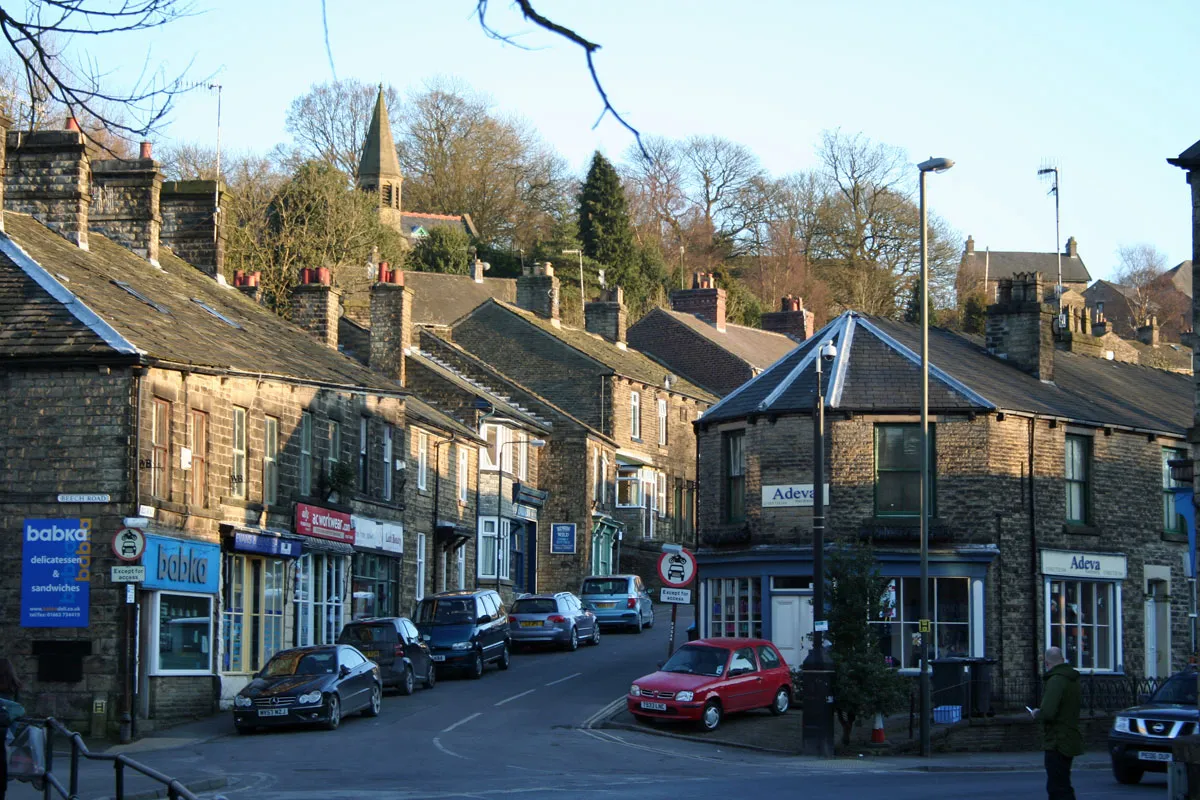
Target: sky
(1098, 88)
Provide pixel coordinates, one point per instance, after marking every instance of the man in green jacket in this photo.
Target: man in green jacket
(1059, 715)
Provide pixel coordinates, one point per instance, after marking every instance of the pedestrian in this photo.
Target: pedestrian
(10, 687)
(1059, 715)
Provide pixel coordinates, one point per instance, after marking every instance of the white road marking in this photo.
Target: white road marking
(563, 680)
(462, 721)
(514, 697)
(602, 713)
(438, 744)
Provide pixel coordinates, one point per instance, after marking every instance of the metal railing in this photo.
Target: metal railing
(50, 782)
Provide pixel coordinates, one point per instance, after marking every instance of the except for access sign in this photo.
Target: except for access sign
(129, 574)
(675, 596)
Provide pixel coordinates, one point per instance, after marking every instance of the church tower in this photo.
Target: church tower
(379, 168)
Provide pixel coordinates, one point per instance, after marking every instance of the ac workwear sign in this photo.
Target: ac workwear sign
(56, 573)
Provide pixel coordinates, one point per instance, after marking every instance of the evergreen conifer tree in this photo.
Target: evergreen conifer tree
(606, 233)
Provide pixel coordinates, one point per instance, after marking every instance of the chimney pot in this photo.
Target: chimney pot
(72, 124)
(145, 150)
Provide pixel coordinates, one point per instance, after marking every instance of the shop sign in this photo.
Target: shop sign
(247, 542)
(181, 565)
(1077, 564)
(789, 495)
(562, 538)
(324, 523)
(371, 534)
(56, 573)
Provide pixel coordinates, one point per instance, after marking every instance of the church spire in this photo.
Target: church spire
(379, 168)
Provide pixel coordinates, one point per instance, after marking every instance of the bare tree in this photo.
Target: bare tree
(1149, 291)
(329, 123)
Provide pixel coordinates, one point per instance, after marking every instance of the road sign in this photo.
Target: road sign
(821, 625)
(129, 544)
(129, 574)
(677, 570)
(675, 596)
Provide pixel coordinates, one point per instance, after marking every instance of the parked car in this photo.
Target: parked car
(1141, 737)
(309, 685)
(619, 600)
(560, 619)
(465, 630)
(395, 645)
(709, 678)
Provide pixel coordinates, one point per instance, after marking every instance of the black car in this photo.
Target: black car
(1141, 737)
(317, 685)
(465, 630)
(394, 644)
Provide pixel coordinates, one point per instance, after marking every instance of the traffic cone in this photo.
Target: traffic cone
(877, 736)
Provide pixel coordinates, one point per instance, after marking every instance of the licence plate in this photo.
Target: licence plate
(531, 624)
(371, 653)
(438, 658)
(1147, 755)
(646, 704)
(272, 712)
(606, 605)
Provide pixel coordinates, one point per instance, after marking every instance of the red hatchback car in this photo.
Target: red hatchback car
(709, 678)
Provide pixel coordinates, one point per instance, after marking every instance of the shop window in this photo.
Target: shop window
(306, 453)
(734, 467)
(1078, 473)
(375, 586)
(270, 461)
(198, 483)
(898, 470)
(420, 587)
(320, 589)
(464, 470)
(735, 607)
(635, 415)
(1172, 521)
(160, 455)
(1081, 617)
(238, 479)
(252, 612)
(388, 469)
(950, 610)
(183, 629)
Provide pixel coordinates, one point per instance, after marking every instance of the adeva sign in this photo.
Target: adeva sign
(790, 495)
(181, 565)
(1075, 564)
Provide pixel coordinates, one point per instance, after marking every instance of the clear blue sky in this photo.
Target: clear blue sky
(1103, 88)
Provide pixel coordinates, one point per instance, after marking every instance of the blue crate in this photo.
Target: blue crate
(947, 715)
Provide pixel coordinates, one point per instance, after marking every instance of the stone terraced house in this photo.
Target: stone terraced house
(1054, 518)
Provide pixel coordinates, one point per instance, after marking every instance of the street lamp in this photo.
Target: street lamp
(817, 731)
(925, 627)
(500, 491)
(582, 299)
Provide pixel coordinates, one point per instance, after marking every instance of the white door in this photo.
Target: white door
(791, 626)
(1158, 631)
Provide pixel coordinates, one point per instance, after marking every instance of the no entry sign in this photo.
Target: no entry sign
(677, 570)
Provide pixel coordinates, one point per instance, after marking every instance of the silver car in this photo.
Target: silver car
(561, 619)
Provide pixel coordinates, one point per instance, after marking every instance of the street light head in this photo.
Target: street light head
(1047, 170)
(672, 548)
(537, 442)
(570, 252)
(935, 165)
(828, 351)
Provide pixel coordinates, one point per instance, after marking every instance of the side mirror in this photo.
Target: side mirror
(660, 664)
(483, 620)
(343, 670)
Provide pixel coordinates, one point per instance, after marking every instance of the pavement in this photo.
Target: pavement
(541, 730)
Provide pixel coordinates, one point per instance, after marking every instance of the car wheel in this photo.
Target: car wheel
(406, 683)
(573, 643)
(335, 713)
(430, 676)
(1126, 774)
(637, 627)
(504, 658)
(710, 718)
(372, 709)
(595, 634)
(782, 702)
(476, 668)
(650, 624)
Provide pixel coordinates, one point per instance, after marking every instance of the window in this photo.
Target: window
(464, 467)
(270, 461)
(597, 477)
(199, 478)
(950, 610)
(735, 476)
(493, 548)
(1081, 621)
(320, 589)
(375, 586)
(1078, 467)
(629, 486)
(898, 470)
(364, 472)
(252, 616)
(743, 661)
(134, 292)
(420, 587)
(238, 479)
(183, 633)
(661, 493)
(422, 459)
(497, 455)
(604, 478)
(216, 313)
(662, 423)
(523, 460)
(160, 456)
(767, 657)
(306, 453)
(387, 462)
(1172, 521)
(334, 453)
(635, 415)
(735, 607)
(460, 563)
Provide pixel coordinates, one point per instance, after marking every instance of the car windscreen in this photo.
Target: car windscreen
(320, 662)
(606, 586)
(368, 634)
(535, 605)
(446, 611)
(1179, 690)
(697, 660)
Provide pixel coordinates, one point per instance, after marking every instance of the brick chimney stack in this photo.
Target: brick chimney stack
(191, 226)
(705, 300)
(970, 245)
(792, 319)
(538, 291)
(1020, 325)
(606, 316)
(391, 323)
(1148, 333)
(316, 306)
(1072, 249)
(248, 284)
(478, 268)
(48, 176)
(125, 203)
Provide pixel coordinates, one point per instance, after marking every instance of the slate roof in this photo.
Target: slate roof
(882, 373)
(1180, 276)
(440, 299)
(411, 220)
(1005, 264)
(170, 327)
(379, 158)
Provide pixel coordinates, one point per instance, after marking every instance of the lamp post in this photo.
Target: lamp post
(817, 733)
(582, 299)
(925, 627)
(500, 491)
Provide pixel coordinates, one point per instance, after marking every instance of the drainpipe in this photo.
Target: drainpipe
(1033, 556)
(127, 724)
(694, 514)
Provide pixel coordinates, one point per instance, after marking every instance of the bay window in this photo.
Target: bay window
(629, 486)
